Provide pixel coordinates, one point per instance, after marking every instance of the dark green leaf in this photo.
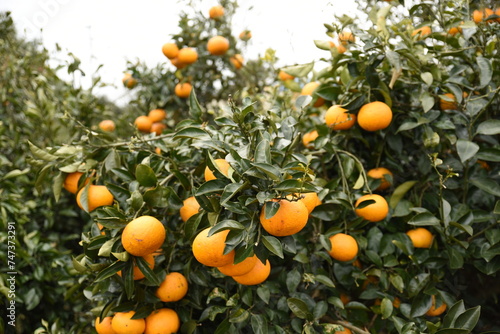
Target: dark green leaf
(259, 324)
(418, 283)
(456, 259)
(212, 186)
(466, 149)
(293, 279)
(386, 307)
(147, 271)
(485, 71)
(273, 245)
(226, 224)
(194, 107)
(424, 219)
(299, 70)
(451, 316)
(299, 308)
(263, 152)
(191, 132)
(487, 185)
(145, 176)
(468, 319)
(489, 127)
(41, 154)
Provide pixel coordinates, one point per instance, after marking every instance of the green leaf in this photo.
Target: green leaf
(225, 325)
(452, 331)
(451, 316)
(293, 185)
(227, 224)
(240, 315)
(273, 245)
(489, 154)
(270, 209)
(456, 259)
(485, 71)
(487, 185)
(466, 149)
(427, 102)
(397, 282)
(194, 107)
(299, 70)
(427, 78)
(424, 219)
(271, 171)
(110, 270)
(263, 152)
(78, 265)
(302, 101)
(41, 154)
(191, 132)
(325, 280)
(468, 319)
(259, 324)
(293, 279)
(147, 271)
(399, 193)
(264, 293)
(299, 308)
(145, 176)
(418, 283)
(212, 186)
(386, 308)
(489, 127)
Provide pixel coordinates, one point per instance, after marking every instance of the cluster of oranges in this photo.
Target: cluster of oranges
(97, 195)
(153, 122)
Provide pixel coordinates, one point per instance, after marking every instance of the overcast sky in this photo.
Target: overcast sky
(111, 32)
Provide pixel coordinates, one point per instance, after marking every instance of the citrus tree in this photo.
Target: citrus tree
(366, 203)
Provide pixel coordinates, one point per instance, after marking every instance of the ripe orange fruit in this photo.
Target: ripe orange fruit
(344, 247)
(309, 89)
(245, 35)
(433, 311)
(123, 324)
(71, 182)
(162, 321)
(396, 302)
(454, 30)
(129, 81)
(373, 212)
(374, 116)
(218, 45)
(170, 50)
(158, 128)
(480, 14)
(137, 272)
(143, 235)
(307, 138)
(210, 250)
(97, 196)
(157, 115)
(290, 218)
(177, 63)
(239, 269)
(143, 124)
(237, 61)
(310, 200)
(422, 32)
(216, 12)
(448, 105)
(104, 326)
(345, 331)
(259, 273)
(183, 90)
(340, 48)
(379, 173)
(223, 166)
(420, 237)
(190, 208)
(344, 298)
(346, 37)
(283, 76)
(338, 118)
(107, 125)
(187, 56)
(173, 288)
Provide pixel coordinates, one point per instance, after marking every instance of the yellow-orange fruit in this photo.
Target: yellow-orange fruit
(210, 250)
(173, 288)
(379, 173)
(373, 212)
(374, 116)
(259, 273)
(223, 166)
(190, 208)
(216, 12)
(344, 247)
(97, 196)
(143, 124)
(218, 45)
(187, 56)
(338, 118)
(170, 50)
(183, 90)
(238, 269)
(107, 125)
(290, 218)
(143, 236)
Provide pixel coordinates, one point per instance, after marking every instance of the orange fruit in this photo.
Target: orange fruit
(183, 90)
(245, 35)
(129, 81)
(373, 212)
(238, 269)
(190, 208)
(309, 89)
(137, 272)
(480, 14)
(307, 138)
(218, 45)
(433, 311)
(143, 235)
(396, 302)
(123, 324)
(173, 288)
(259, 273)
(216, 12)
(290, 218)
(454, 30)
(104, 326)
(420, 237)
(71, 182)
(237, 61)
(187, 56)
(283, 76)
(344, 298)
(448, 105)
(170, 50)
(177, 63)
(310, 200)
(344, 247)
(223, 167)
(340, 48)
(162, 321)
(379, 173)
(157, 115)
(143, 123)
(346, 37)
(338, 118)
(374, 116)
(97, 196)
(107, 125)
(345, 331)
(422, 32)
(158, 128)
(210, 250)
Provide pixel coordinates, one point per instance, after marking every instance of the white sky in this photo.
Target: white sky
(110, 32)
